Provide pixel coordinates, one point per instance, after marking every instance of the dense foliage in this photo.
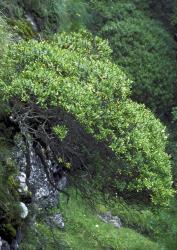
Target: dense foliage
(4, 36)
(71, 97)
(140, 46)
(67, 74)
(51, 16)
(162, 10)
(9, 206)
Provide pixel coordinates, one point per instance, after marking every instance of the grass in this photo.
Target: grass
(160, 224)
(85, 231)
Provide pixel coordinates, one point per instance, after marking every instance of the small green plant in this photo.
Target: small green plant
(61, 131)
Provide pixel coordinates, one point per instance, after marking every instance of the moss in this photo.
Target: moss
(9, 198)
(23, 28)
(10, 230)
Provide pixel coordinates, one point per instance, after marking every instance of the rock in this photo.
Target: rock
(109, 218)
(62, 182)
(24, 210)
(44, 194)
(4, 245)
(22, 177)
(14, 245)
(32, 22)
(22, 182)
(16, 241)
(56, 220)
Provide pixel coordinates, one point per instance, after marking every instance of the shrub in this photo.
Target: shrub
(59, 14)
(144, 49)
(11, 8)
(84, 42)
(96, 93)
(5, 40)
(4, 36)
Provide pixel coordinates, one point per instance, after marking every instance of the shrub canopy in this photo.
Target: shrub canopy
(74, 72)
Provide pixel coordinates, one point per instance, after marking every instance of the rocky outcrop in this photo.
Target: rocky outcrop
(23, 188)
(4, 245)
(40, 184)
(56, 220)
(36, 185)
(109, 218)
(40, 175)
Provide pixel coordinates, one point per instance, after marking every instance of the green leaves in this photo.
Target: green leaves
(5, 37)
(144, 49)
(61, 131)
(66, 74)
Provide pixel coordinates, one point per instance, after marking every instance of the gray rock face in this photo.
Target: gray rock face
(109, 218)
(37, 177)
(22, 183)
(14, 245)
(16, 241)
(31, 20)
(4, 245)
(44, 193)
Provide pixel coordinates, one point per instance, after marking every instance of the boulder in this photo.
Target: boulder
(4, 245)
(24, 210)
(56, 220)
(22, 183)
(109, 218)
